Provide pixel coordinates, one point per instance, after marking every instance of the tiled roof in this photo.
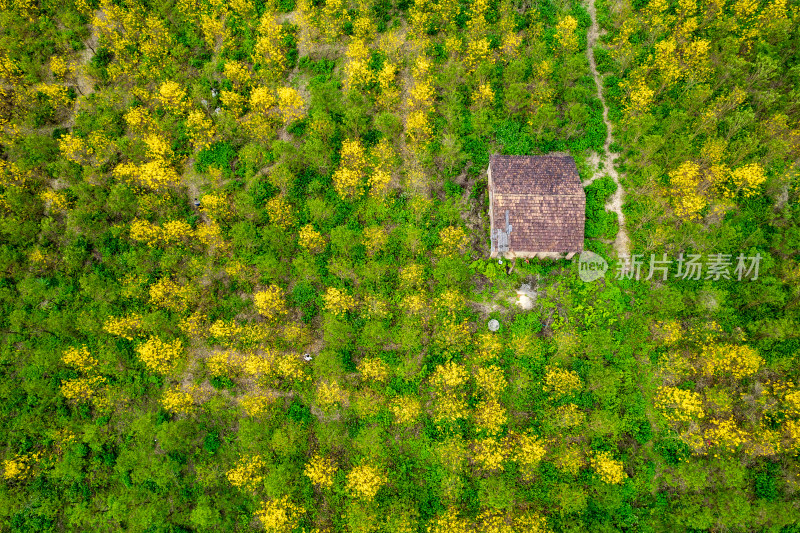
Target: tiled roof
(545, 201)
(535, 174)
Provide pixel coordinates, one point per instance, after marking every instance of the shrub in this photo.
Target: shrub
(220, 155)
(599, 222)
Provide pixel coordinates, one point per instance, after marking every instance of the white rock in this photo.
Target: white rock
(524, 301)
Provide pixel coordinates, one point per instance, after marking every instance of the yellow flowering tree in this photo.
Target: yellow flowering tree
(320, 471)
(490, 415)
(373, 369)
(227, 332)
(449, 522)
(484, 96)
(450, 302)
(232, 101)
(125, 327)
(490, 453)
(271, 302)
(418, 126)
(201, 129)
(311, 239)
(729, 360)
(491, 380)
(489, 346)
(279, 515)
(216, 206)
(80, 358)
(411, 276)
(388, 87)
(565, 33)
(561, 382)
(375, 239)
(172, 95)
(160, 356)
(348, 177)
(177, 401)
(247, 473)
(364, 481)
(238, 73)
(330, 394)
(608, 468)
(687, 191)
(406, 409)
(290, 104)
(55, 201)
(747, 179)
(453, 241)
(167, 294)
(88, 386)
(449, 375)
(21, 466)
(452, 335)
(678, 405)
(337, 302)
(280, 212)
(146, 232)
(263, 116)
(255, 404)
(478, 51)
(156, 175)
(177, 232)
(82, 389)
(267, 50)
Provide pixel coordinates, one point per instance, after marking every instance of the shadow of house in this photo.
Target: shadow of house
(537, 206)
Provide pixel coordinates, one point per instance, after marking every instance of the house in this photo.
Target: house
(536, 206)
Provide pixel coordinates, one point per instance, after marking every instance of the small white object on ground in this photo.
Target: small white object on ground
(524, 301)
(307, 357)
(494, 325)
(526, 296)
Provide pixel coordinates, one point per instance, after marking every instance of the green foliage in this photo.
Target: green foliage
(220, 155)
(599, 222)
(305, 297)
(212, 443)
(672, 450)
(489, 268)
(766, 481)
(65, 270)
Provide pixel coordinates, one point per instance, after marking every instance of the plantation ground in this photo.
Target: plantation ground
(152, 373)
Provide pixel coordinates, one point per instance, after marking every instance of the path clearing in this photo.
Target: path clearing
(622, 242)
(84, 82)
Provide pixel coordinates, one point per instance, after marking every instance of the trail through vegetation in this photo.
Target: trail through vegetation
(622, 242)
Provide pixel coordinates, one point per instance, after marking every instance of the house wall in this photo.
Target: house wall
(537, 255)
(490, 186)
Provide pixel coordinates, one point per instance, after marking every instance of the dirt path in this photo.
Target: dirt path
(594, 161)
(84, 82)
(622, 242)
